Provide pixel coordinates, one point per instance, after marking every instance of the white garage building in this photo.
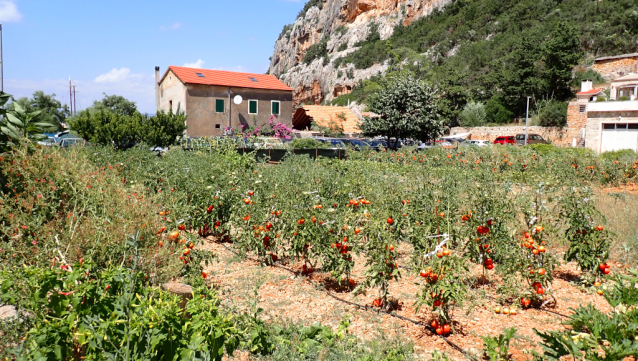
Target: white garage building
(612, 125)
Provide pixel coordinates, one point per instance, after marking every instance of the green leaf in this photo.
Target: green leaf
(9, 133)
(15, 120)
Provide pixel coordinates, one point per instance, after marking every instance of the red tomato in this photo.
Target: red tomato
(446, 329)
(439, 331)
(389, 220)
(181, 227)
(301, 221)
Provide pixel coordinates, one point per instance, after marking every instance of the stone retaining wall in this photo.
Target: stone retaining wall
(614, 68)
(558, 136)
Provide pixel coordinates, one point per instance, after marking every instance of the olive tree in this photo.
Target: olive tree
(404, 107)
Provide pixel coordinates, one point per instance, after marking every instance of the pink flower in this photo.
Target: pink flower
(34, 242)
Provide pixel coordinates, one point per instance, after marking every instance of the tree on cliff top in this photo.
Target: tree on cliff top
(405, 107)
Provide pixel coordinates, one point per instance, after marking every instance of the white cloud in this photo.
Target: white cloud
(197, 64)
(174, 26)
(114, 76)
(9, 12)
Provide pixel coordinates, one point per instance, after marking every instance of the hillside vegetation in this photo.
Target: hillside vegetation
(503, 50)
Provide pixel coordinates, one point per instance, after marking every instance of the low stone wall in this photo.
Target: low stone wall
(561, 137)
(614, 68)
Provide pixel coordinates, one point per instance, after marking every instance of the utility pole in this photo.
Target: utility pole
(1, 63)
(230, 112)
(75, 103)
(526, 121)
(70, 96)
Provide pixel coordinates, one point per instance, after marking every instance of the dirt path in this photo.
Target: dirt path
(286, 298)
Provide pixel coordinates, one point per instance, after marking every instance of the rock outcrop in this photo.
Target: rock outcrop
(344, 23)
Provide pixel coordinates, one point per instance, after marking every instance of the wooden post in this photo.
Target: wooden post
(180, 289)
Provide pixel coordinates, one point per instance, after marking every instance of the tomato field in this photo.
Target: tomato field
(499, 253)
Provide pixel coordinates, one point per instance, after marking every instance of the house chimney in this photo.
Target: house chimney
(157, 89)
(586, 85)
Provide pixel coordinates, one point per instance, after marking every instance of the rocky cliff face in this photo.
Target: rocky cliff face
(344, 23)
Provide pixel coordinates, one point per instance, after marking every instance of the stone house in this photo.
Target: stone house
(216, 100)
(606, 125)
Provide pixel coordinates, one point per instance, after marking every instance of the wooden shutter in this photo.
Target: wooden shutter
(252, 107)
(275, 108)
(219, 106)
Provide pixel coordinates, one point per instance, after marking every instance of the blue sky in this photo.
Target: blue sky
(112, 46)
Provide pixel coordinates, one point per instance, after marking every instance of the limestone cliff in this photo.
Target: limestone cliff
(343, 23)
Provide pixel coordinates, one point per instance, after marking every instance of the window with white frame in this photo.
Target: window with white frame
(275, 107)
(253, 107)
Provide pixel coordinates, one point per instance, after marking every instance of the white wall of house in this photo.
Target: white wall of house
(612, 126)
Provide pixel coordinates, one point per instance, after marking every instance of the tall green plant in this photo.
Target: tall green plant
(19, 124)
(406, 108)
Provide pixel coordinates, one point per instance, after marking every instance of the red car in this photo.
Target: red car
(505, 140)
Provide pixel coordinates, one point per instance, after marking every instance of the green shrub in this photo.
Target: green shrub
(622, 99)
(341, 30)
(554, 114)
(495, 112)
(110, 128)
(590, 74)
(473, 115)
(600, 99)
(342, 47)
(79, 311)
(618, 154)
(317, 51)
(309, 4)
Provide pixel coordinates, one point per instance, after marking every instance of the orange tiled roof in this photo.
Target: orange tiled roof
(226, 78)
(592, 91)
(326, 116)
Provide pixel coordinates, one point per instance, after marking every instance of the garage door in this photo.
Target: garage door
(619, 136)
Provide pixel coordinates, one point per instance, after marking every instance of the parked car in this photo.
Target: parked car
(441, 143)
(47, 142)
(71, 142)
(505, 140)
(356, 143)
(479, 142)
(531, 139)
(378, 144)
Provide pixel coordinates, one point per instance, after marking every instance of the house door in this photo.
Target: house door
(619, 136)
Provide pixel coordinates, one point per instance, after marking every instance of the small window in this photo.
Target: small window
(632, 126)
(253, 79)
(200, 75)
(275, 107)
(252, 107)
(170, 105)
(621, 126)
(583, 108)
(609, 126)
(218, 126)
(520, 137)
(219, 106)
